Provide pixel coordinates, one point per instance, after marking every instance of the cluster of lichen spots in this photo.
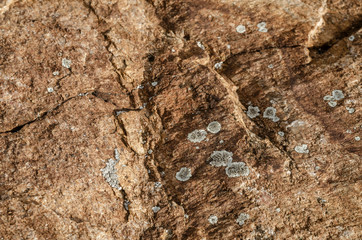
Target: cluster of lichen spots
(220, 158)
(237, 169)
(197, 136)
(336, 96)
(270, 113)
(110, 172)
(184, 174)
(261, 28)
(242, 218)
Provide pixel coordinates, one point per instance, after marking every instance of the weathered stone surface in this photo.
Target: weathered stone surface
(98, 98)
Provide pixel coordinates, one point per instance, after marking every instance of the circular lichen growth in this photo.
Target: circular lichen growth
(237, 169)
(242, 218)
(197, 136)
(240, 29)
(213, 219)
(337, 94)
(220, 158)
(253, 112)
(214, 127)
(270, 114)
(184, 174)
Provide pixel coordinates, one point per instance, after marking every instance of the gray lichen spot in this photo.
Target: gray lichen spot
(158, 184)
(253, 112)
(337, 94)
(301, 148)
(237, 169)
(262, 27)
(280, 133)
(351, 38)
(242, 218)
(328, 98)
(332, 103)
(116, 155)
(214, 127)
(270, 114)
(66, 63)
(56, 73)
(50, 89)
(357, 138)
(197, 136)
(155, 209)
(350, 110)
(184, 174)
(270, 66)
(150, 151)
(240, 29)
(154, 84)
(200, 45)
(218, 65)
(220, 158)
(126, 203)
(110, 174)
(213, 219)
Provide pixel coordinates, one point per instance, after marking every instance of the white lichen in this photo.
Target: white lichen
(301, 148)
(212, 219)
(200, 45)
(155, 209)
(218, 65)
(184, 174)
(158, 184)
(50, 89)
(332, 103)
(240, 29)
(280, 133)
(337, 94)
(197, 136)
(357, 138)
(270, 66)
(262, 27)
(110, 171)
(220, 158)
(154, 84)
(242, 218)
(66, 63)
(56, 73)
(351, 38)
(110, 174)
(214, 127)
(350, 110)
(328, 98)
(253, 112)
(270, 114)
(237, 169)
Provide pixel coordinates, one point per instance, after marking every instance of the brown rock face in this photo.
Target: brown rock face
(180, 119)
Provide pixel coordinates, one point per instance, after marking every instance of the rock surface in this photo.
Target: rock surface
(97, 99)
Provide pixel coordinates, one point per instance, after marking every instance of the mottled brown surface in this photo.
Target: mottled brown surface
(142, 77)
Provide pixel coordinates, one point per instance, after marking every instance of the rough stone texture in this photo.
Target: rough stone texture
(53, 144)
